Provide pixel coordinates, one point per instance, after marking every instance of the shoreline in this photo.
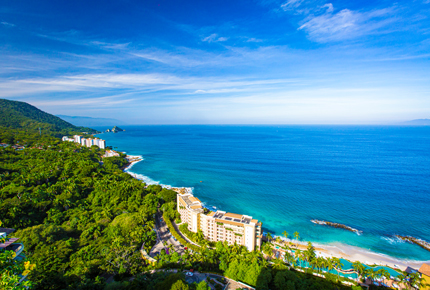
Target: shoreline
(338, 250)
(353, 253)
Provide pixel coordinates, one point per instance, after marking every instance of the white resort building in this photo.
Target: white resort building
(86, 142)
(220, 225)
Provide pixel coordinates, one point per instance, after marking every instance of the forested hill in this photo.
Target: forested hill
(78, 215)
(23, 116)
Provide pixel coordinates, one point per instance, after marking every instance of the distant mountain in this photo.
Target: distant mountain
(23, 116)
(419, 122)
(89, 121)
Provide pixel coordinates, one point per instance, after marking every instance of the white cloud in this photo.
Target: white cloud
(329, 7)
(252, 39)
(7, 24)
(214, 38)
(137, 84)
(291, 5)
(210, 38)
(345, 24)
(101, 101)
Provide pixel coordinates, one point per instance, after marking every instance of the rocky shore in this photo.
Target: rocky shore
(132, 159)
(336, 225)
(423, 244)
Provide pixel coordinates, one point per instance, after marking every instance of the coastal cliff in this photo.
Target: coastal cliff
(336, 225)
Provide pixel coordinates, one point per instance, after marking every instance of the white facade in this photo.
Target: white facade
(77, 138)
(102, 144)
(88, 142)
(220, 225)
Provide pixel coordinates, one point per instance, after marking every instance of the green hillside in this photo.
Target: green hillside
(25, 117)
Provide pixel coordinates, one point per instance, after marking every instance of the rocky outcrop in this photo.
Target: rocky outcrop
(423, 244)
(336, 225)
(115, 129)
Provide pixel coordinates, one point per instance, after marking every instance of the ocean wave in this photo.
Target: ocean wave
(133, 163)
(393, 240)
(147, 179)
(144, 178)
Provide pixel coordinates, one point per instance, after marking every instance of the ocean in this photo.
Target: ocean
(373, 178)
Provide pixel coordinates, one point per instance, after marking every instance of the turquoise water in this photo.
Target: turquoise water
(373, 178)
(348, 266)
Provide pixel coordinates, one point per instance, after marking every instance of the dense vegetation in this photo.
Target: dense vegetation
(18, 117)
(77, 217)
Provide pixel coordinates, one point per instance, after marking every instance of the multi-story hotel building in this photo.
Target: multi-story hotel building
(220, 225)
(77, 138)
(86, 142)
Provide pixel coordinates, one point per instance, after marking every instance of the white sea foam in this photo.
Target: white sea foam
(133, 163)
(144, 178)
(393, 240)
(147, 179)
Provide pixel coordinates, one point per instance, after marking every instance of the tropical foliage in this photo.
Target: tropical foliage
(25, 117)
(78, 216)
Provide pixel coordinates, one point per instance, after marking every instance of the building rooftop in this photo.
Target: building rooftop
(425, 269)
(234, 217)
(194, 199)
(191, 201)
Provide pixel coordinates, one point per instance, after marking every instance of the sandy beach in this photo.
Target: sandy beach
(353, 254)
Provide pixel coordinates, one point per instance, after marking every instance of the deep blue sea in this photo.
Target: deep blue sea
(372, 178)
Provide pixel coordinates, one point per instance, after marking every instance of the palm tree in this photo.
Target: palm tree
(303, 257)
(313, 263)
(359, 268)
(329, 264)
(403, 278)
(268, 236)
(278, 264)
(290, 259)
(267, 249)
(297, 236)
(338, 266)
(383, 273)
(297, 255)
(285, 234)
(416, 281)
(370, 273)
(320, 263)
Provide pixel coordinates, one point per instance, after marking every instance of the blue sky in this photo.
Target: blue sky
(219, 62)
